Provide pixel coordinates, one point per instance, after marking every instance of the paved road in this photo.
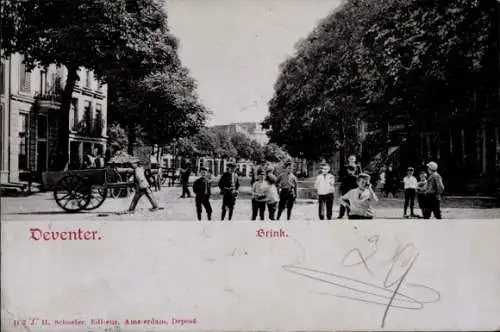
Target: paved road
(43, 207)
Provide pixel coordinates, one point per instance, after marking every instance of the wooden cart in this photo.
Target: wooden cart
(87, 189)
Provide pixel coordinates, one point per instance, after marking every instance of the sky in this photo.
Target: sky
(233, 48)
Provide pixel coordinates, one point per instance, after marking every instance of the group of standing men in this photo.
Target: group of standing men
(268, 191)
(202, 188)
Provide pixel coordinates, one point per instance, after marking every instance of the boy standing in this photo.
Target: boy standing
(325, 186)
(259, 196)
(421, 188)
(410, 187)
(390, 182)
(433, 192)
(185, 174)
(287, 184)
(202, 191)
(359, 201)
(229, 185)
(141, 188)
(349, 182)
(272, 194)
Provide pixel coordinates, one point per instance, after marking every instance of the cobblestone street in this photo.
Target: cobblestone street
(42, 207)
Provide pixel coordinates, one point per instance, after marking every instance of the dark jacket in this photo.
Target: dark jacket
(348, 182)
(185, 173)
(226, 184)
(202, 187)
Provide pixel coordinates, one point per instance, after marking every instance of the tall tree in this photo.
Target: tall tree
(225, 147)
(274, 153)
(243, 145)
(100, 35)
(378, 60)
(206, 142)
(169, 106)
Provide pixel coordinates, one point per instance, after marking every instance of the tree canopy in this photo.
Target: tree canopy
(107, 37)
(377, 60)
(216, 143)
(164, 103)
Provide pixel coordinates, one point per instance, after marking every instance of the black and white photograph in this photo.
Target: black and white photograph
(172, 117)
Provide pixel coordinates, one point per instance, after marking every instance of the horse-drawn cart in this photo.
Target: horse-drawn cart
(86, 189)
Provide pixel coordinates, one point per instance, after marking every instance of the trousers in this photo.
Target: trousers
(259, 208)
(139, 192)
(287, 200)
(409, 201)
(228, 203)
(203, 202)
(432, 206)
(325, 202)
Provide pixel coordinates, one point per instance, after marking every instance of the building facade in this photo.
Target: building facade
(252, 130)
(29, 121)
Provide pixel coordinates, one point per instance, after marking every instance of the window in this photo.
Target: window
(87, 117)
(87, 107)
(23, 142)
(74, 114)
(55, 83)
(42, 126)
(43, 82)
(88, 80)
(99, 121)
(24, 78)
(2, 78)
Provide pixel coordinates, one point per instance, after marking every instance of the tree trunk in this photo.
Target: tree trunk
(342, 148)
(386, 143)
(63, 128)
(131, 138)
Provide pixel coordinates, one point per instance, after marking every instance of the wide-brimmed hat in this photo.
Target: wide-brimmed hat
(432, 166)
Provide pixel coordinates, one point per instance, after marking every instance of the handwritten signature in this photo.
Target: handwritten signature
(388, 294)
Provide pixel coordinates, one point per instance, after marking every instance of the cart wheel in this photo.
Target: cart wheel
(112, 176)
(97, 196)
(72, 193)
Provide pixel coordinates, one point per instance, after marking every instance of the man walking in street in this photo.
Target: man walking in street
(229, 185)
(142, 188)
(433, 192)
(202, 191)
(325, 186)
(185, 174)
(287, 185)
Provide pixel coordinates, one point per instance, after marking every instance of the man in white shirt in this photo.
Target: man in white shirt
(410, 187)
(325, 185)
